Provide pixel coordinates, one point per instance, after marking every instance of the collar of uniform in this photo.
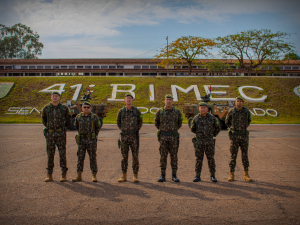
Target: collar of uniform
(53, 105)
(204, 116)
(165, 108)
(128, 110)
(238, 110)
(87, 115)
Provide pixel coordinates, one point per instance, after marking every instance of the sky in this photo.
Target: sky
(139, 28)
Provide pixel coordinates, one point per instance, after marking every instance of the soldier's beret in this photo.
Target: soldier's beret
(128, 94)
(87, 103)
(169, 96)
(239, 97)
(203, 104)
(55, 93)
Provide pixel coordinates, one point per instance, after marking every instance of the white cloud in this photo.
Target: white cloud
(104, 17)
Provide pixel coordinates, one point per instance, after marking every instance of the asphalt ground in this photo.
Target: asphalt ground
(273, 197)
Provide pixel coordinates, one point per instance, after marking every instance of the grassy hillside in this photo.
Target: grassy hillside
(279, 91)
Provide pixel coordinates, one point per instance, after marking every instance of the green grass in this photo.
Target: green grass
(279, 91)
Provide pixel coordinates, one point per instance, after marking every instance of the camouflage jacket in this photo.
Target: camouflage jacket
(56, 117)
(238, 120)
(169, 121)
(129, 123)
(205, 128)
(84, 125)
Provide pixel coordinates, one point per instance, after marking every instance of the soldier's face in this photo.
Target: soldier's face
(128, 100)
(239, 103)
(203, 110)
(168, 102)
(55, 98)
(86, 109)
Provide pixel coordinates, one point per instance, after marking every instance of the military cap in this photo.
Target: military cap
(87, 103)
(128, 94)
(55, 93)
(169, 96)
(239, 97)
(203, 104)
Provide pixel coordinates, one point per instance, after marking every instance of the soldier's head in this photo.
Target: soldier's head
(203, 108)
(86, 108)
(239, 102)
(128, 99)
(168, 101)
(55, 96)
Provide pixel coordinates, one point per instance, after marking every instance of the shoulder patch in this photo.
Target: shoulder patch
(141, 116)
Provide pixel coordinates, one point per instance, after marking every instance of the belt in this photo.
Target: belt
(205, 138)
(239, 132)
(53, 130)
(129, 132)
(166, 133)
(85, 135)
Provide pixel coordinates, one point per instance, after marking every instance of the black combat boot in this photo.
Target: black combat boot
(213, 179)
(174, 178)
(197, 178)
(162, 178)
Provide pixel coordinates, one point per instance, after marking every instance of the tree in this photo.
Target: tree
(291, 56)
(185, 48)
(217, 66)
(19, 42)
(258, 46)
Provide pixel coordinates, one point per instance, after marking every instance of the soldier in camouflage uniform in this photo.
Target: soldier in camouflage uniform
(88, 126)
(168, 120)
(237, 120)
(56, 119)
(205, 126)
(129, 121)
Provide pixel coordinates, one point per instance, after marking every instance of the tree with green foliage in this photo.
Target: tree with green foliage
(217, 66)
(257, 46)
(186, 48)
(291, 56)
(19, 42)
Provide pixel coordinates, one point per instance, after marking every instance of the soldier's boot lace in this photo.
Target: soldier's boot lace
(78, 177)
(162, 178)
(135, 178)
(231, 177)
(94, 177)
(174, 178)
(246, 176)
(123, 178)
(197, 178)
(49, 178)
(63, 178)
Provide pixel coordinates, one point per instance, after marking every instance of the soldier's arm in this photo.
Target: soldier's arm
(217, 127)
(76, 123)
(249, 118)
(157, 119)
(193, 126)
(68, 117)
(97, 124)
(140, 119)
(228, 119)
(119, 123)
(44, 116)
(179, 119)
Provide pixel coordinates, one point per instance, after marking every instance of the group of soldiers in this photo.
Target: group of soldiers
(168, 120)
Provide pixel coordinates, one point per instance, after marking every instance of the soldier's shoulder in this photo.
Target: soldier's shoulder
(45, 108)
(231, 110)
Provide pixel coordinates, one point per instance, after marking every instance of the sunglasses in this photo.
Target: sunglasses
(86, 107)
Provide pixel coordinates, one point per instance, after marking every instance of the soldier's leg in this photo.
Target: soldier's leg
(163, 150)
(199, 152)
(124, 151)
(173, 149)
(92, 151)
(80, 157)
(210, 155)
(61, 145)
(234, 147)
(135, 155)
(50, 155)
(244, 149)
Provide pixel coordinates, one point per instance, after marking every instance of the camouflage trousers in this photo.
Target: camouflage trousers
(133, 144)
(60, 142)
(235, 143)
(209, 151)
(91, 149)
(166, 147)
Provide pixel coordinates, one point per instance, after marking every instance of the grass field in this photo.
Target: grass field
(279, 91)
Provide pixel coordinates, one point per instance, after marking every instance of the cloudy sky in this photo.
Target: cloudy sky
(138, 28)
